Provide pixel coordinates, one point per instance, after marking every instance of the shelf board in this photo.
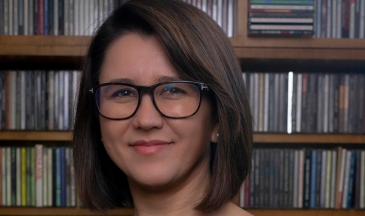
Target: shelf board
(245, 47)
(35, 135)
(59, 211)
(306, 212)
(40, 45)
(298, 48)
(309, 138)
(258, 137)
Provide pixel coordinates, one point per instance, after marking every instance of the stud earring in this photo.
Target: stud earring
(217, 134)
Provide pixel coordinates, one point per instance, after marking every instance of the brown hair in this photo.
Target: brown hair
(200, 50)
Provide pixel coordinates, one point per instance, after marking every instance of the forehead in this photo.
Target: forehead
(136, 57)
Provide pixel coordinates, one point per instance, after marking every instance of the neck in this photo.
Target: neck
(178, 198)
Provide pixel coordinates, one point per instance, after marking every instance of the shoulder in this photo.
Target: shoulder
(232, 209)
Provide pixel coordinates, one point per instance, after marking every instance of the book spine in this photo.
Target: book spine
(39, 175)
(24, 177)
(19, 177)
(307, 179)
(313, 179)
(351, 180)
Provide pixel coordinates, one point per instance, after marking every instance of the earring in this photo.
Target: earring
(217, 134)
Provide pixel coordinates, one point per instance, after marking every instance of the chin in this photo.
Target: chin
(153, 179)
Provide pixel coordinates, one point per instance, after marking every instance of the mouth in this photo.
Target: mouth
(149, 147)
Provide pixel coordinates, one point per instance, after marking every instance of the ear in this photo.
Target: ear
(215, 133)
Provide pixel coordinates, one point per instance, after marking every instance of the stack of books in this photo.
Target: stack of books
(281, 17)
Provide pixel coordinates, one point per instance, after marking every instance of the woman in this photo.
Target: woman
(163, 123)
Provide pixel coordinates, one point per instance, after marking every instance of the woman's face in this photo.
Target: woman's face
(153, 150)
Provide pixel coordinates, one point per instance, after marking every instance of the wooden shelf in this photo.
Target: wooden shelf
(298, 48)
(35, 135)
(245, 47)
(306, 212)
(309, 138)
(10, 135)
(59, 211)
(44, 45)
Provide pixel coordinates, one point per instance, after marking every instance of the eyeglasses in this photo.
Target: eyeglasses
(176, 99)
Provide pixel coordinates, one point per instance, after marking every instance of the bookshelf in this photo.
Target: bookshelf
(256, 53)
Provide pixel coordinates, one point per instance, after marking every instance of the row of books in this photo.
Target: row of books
(281, 17)
(305, 178)
(307, 102)
(224, 12)
(82, 17)
(37, 176)
(340, 19)
(53, 17)
(37, 100)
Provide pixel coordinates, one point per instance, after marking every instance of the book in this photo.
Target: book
(341, 155)
(39, 175)
(307, 178)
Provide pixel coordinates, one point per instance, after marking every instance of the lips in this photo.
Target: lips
(149, 147)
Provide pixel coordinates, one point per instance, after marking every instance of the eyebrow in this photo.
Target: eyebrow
(131, 81)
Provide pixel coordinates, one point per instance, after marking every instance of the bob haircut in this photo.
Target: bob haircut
(200, 51)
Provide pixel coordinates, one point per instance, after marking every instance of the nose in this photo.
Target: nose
(147, 116)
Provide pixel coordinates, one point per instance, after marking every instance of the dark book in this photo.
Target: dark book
(313, 180)
(262, 180)
(54, 177)
(361, 104)
(320, 103)
(272, 102)
(331, 102)
(323, 18)
(281, 177)
(352, 114)
(358, 18)
(62, 176)
(312, 103)
(304, 102)
(351, 180)
(271, 180)
(266, 177)
(307, 178)
(357, 177)
(336, 107)
(61, 23)
(2, 20)
(277, 102)
(277, 162)
(21, 17)
(345, 18)
(28, 176)
(50, 17)
(283, 103)
(36, 18)
(45, 17)
(318, 179)
(286, 179)
(291, 178)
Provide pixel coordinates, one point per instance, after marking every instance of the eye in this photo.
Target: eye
(125, 92)
(172, 90)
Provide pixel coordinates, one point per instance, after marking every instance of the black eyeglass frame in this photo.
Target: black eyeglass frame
(150, 90)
